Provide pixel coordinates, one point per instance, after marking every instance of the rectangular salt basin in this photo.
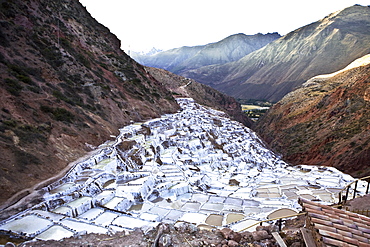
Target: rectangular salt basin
(232, 208)
(63, 210)
(251, 210)
(105, 196)
(105, 218)
(274, 195)
(162, 212)
(112, 204)
(91, 214)
(167, 160)
(191, 206)
(102, 164)
(62, 188)
(277, 203)
(150, 217)
(84, 201)
(129, 222)
(180, 188)
(29, 225)
(55, 233)
(49, 215)
(234, 201)
(216, 199)
(245, 225)
(169, 168)
(172, 175)
(200, 198)
(174, 215)
(81, 226)
(139, 181)
(195, 218)
(212, 206)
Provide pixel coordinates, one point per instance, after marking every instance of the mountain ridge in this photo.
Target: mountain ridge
(231, 48)
(269, 73)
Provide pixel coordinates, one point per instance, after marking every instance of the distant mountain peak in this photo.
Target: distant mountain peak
(150, 52)
(229, 49)
(276, 69)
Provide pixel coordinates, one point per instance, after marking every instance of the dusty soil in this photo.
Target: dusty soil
(360, 205)
(180, 234)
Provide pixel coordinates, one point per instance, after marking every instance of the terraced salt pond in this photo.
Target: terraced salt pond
(196, 166)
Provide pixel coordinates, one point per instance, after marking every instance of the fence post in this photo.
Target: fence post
(354, 191)
(280, 222)
(345, 198)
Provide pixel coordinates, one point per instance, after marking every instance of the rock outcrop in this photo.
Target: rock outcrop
(66, 86)
(325, 122)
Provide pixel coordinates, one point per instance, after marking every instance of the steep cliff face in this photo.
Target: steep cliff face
(271, 72)
(66, 86)
(325, 122)
(202, 94)
(232, 48)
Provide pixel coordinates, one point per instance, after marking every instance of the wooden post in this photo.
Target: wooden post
(367, 188)
(354, 191)
(280, 222)
(345, 198)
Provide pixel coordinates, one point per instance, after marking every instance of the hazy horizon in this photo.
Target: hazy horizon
(166, 24)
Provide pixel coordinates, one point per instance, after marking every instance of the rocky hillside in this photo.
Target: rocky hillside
(66, 86)
(271, 72)
(202, 94)
(230, 49)
(325, 122)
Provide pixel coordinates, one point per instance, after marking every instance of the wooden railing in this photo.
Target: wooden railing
(365, 212)
(279, 219)
(343, 197)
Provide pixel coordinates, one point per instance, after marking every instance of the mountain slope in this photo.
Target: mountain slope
(227, 50)
(325, 122)
(66, 86)
(271, 72)
(202, 94)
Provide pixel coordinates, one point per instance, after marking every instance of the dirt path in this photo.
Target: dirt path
(25, 198)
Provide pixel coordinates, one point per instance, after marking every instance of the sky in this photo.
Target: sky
(166, 24)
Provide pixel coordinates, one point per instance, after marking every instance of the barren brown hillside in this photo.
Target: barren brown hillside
(66, 86)
(325, 122)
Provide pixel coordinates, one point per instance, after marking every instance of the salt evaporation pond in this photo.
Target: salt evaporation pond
(196, 166)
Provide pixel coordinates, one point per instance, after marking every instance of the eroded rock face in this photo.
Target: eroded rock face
(66, 86)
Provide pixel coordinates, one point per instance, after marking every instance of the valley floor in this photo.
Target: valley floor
(195, 166)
